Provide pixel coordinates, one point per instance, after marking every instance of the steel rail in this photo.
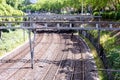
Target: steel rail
(51, 65)
(64, 56)
(82, 60)
(46, 72)
(25, 63)
(82, 63)
(20, 56)
(73, 66)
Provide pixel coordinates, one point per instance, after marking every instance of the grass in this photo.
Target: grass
(99, 64)
(11, 40)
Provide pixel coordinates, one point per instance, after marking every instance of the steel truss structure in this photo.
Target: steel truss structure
(30, 23)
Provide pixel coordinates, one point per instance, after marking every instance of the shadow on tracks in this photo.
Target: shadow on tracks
(77, 48)
(55, 31)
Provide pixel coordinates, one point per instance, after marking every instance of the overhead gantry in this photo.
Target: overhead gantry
(57, 22)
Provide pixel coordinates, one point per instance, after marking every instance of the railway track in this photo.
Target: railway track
(57, 57)
(42, 64)
(6, 67)
(72, 65)
(26, 65)
(77, 65)
(17, 55)
(49, 75)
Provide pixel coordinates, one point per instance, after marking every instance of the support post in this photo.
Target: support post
(80, 31)
(72, 36)
(110, 25)
(70, 25)
(32, 45)
(24, 34)
(32, 42)
(98, 26)
(31, 50)
(0, 34)
(46, 25)
(22, 25)
(58, 25)
(98, 45)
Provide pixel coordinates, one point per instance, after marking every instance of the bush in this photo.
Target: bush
(118, 15)
(11, 40)
(112, 15)
(111, 49)
(106, 15)
(96, 13)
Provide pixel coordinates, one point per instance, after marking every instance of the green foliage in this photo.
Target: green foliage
(42, 5)
(7, 10)
(111, 15)
(96, 13)
(105, 15)
(75, 6)
(112, 50)
(53, 5)
(2, 1)
(94, 33)
(118, 15)
(114, 58)
(15, 3)
(10, 40)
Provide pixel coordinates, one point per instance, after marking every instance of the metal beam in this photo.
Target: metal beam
(52, 15)
(61, 28)
(55, 21)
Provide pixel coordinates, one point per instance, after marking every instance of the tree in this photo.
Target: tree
(114, 4)
(15, 3)
(2, 1)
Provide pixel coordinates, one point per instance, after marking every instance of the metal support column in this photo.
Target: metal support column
(31, 49)
(21, 25)
(71, 35)
(99, 26)
(32, 43)
(98, 45)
